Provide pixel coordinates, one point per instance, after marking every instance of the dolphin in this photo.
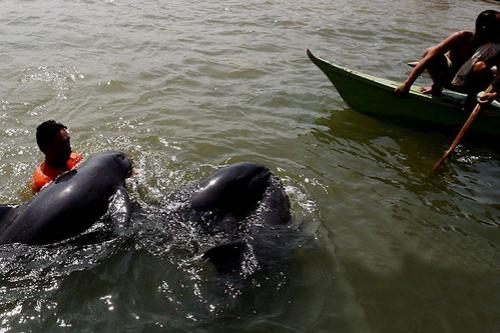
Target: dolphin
(72, 203)
(244, 201)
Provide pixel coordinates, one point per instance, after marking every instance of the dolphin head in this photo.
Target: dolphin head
(116, 161)
(237, 188)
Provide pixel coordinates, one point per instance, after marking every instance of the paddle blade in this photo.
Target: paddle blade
(454, 145)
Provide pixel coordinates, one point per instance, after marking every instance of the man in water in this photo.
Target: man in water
(54, 142)
(465, 61)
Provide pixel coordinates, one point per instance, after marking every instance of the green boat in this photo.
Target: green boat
(375, 97)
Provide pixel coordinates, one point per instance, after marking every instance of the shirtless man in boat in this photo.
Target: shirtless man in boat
(465, 61)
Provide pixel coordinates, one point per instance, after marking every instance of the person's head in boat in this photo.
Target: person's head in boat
(488, 26)
(54, 142)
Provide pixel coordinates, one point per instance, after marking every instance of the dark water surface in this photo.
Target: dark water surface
(187, 87)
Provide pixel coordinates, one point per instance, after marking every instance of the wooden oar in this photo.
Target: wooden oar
(466, 126)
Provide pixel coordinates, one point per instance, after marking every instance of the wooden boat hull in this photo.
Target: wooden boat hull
(375, 96)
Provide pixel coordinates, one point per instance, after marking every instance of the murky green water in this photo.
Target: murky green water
(187, 87)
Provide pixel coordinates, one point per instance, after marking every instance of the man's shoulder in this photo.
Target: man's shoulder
(42, 172)
(463, 35)
(40, 178)
(38, 170)
(76, 157)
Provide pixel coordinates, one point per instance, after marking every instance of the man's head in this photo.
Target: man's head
(488, 26)
(54, 141)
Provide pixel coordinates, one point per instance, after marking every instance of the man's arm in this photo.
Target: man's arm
(439, 49)
(489, 96)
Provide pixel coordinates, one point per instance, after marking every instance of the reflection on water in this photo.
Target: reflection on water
(184, 88)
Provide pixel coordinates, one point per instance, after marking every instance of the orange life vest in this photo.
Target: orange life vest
(44, 174)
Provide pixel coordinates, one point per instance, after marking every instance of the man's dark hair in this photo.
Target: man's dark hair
(46, 132)
(488, 25)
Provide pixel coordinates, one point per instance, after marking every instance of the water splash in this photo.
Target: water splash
(58, 78)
